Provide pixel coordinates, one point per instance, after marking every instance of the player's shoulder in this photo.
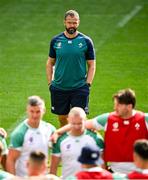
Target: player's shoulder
(85, 37)
(21, 129)
(58, 37)
(62, 137)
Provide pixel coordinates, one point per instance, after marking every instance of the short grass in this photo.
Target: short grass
(26, 28)
(25, 33)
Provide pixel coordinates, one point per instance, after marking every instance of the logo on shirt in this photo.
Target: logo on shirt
(59, 44)
(137, 126)
(68, 146)
(52, 108)
(115, 127)
(126, 122)
(31, 139)
(69, 42)
(80, 45)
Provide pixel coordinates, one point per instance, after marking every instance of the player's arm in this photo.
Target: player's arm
(3, 133)
(59, 132)
(3, 161)
(49, 69)
(4, 152)
(91, 70)
(55, 160)
(98, 122)
(13, 155)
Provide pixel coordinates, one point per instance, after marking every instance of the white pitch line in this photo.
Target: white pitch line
(129, 16)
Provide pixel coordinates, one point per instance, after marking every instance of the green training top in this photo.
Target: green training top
(71, 55)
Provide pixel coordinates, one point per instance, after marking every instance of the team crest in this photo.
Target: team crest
(137, 126)
(80, 45)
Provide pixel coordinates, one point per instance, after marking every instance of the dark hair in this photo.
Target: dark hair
(36, 101)
(37, 156)
(71, 13)
(141, 148)
(125, 96)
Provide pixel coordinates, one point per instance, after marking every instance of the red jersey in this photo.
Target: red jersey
(138, 175)
(121, 134)
(98, 173)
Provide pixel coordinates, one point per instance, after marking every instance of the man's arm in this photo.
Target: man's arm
(49, 69)
(13, 155)
(55, 160)
(91, 70)
(59, 132)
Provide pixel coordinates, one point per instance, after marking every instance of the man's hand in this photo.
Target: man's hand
(54, 137)
(3, 132)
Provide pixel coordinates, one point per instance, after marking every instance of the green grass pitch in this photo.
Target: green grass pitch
(26, 28)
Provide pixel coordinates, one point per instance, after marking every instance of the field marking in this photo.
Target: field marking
(121, 23)
(129, 16)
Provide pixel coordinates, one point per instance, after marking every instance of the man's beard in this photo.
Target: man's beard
(71, 30)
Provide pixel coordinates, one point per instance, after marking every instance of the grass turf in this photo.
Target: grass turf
(25, 33)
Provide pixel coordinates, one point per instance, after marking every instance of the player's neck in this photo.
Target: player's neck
(76, 133)
(128, 115)
(70, 35)
(33, 124)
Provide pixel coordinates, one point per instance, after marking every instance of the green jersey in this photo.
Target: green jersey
(71, 55)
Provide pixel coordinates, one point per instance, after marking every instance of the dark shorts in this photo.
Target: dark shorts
(62, 101)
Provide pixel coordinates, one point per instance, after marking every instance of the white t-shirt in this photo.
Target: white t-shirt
(26, 139)
(69, 148)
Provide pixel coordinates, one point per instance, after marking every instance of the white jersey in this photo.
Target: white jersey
(26, 139)
(69, 148)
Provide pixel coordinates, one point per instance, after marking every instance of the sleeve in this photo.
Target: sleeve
(52, 52)
(56, 148)
(146, 119)
(16, 141)
(90, 53)
(4, 146)
(100, 121)
(100, 141)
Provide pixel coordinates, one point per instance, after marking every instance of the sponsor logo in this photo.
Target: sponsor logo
(69, 42)
(126, 122)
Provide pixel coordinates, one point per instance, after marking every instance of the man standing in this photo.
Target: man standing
(32, 134)
(72, 54)
(122, 128)
(69, 145)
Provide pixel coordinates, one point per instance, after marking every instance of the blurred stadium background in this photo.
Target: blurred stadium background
(119, 29)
